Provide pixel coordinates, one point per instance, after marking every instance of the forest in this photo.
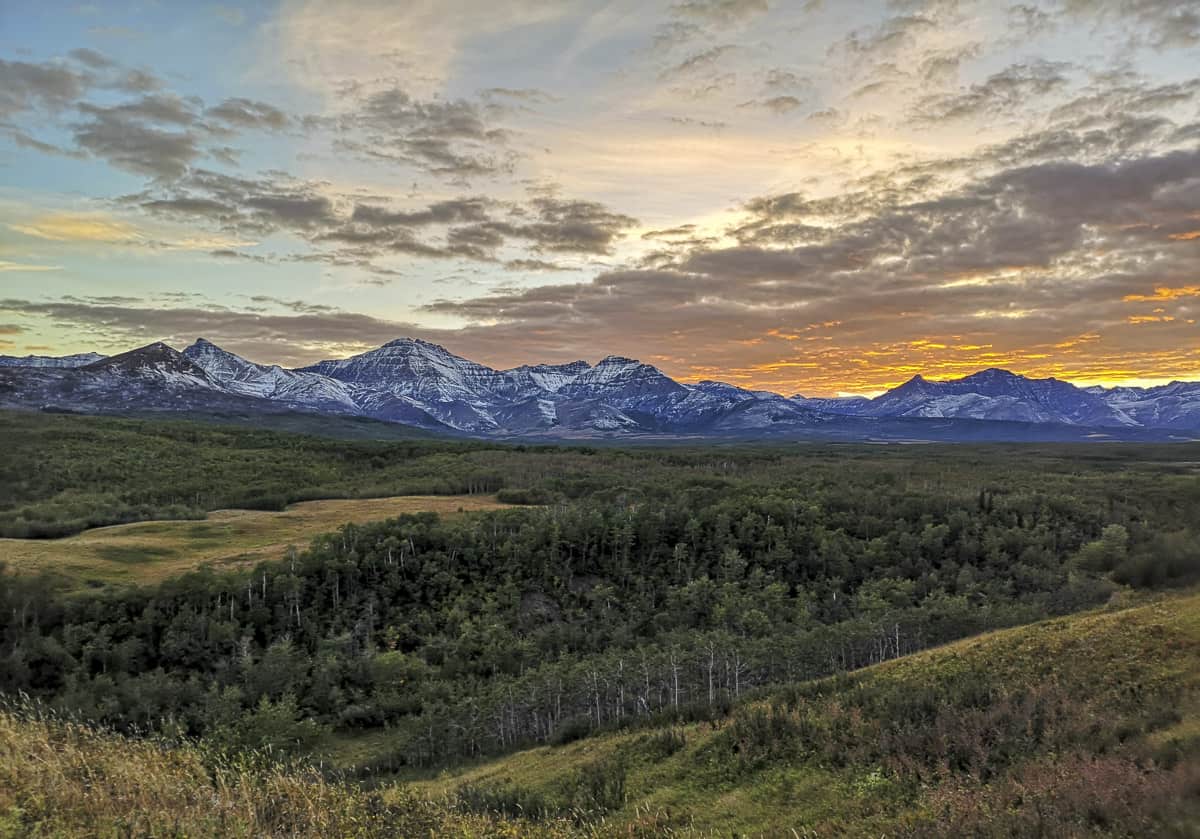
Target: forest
(637, 587)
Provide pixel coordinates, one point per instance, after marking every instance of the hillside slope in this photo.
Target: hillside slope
(1087, 725)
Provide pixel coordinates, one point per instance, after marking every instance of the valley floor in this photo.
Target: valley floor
(151, 551)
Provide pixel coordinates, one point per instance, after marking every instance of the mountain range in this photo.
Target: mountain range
(421, 384)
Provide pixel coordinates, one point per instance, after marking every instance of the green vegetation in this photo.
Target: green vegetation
(1087, 725)
(62, 779)
(1079, 726)
(150, 552)
(62, 474)
(651, 635)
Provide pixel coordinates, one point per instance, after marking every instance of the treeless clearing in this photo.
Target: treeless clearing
(151, 551)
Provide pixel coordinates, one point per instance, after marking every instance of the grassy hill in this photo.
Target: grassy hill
(1080, 726)
(1087, 725)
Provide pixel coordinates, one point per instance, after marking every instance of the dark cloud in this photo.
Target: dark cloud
(568, 226)
(156, 134)
(28, 141)
(246, 206)
(469, 227)
(1081, 238)
(93, 59)
(715, 125)
(1166, 23)
(1001, 93)
(526, 95)
(229, 253)
(699, 62)
(776, 104)
(301, 306)
(458, 210)
(884, 40)
(128, 142)
(452, 138)
(942, 66)
(24, 85)
(1027, 20)
(136, 81)
(249, 114)
(163, 108)
(295, 337)
(827, 115)
(683, 230)
(535, 265)
(779, 78)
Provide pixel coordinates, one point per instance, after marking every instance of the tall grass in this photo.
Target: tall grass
(60, 778)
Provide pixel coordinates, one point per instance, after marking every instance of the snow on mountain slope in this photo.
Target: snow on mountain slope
(155, 362)
(418, 383)
(237, 375)
(457, 392)
(843, 405)
(627, 384)
(414, 367)
(547, 378)
(78, 360)
(996, 394)
(1175, 405)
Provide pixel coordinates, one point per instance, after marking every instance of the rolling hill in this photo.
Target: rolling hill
(1081, 726)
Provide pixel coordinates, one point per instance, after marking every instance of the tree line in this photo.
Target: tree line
(654, 585)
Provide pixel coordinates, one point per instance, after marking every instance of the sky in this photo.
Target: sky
(809, 197)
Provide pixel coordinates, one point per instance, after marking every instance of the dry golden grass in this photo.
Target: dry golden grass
(151, 551)
(60, 779)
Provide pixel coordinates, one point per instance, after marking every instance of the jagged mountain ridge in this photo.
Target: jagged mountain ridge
(77, 360)
(419, 383)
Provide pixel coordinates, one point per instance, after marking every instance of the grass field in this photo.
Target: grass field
(1104, 743)
(149, 552)
(1119, 693)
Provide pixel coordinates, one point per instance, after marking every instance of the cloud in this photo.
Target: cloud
(445, 137)
(248, 114)
(885, 39)
(23, 267)
(93, 59)
(1167, 23)
(126, 141)
(776, 104)
(322, 43)
(79, 227)
(699, 62)
(721, 12)
(24, 85)
(290, 337)
(941, 66)
(460, 210)
(100, 228)
(1036, 241)
(1001, 93)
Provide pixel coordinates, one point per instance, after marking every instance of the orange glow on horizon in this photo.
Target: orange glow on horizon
(1163, 293)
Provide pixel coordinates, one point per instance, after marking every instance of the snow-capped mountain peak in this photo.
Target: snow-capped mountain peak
(157, 362)
(237, 375)
(417, 382)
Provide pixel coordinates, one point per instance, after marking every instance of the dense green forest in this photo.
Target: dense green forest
(645, 586)
(1083, 726)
